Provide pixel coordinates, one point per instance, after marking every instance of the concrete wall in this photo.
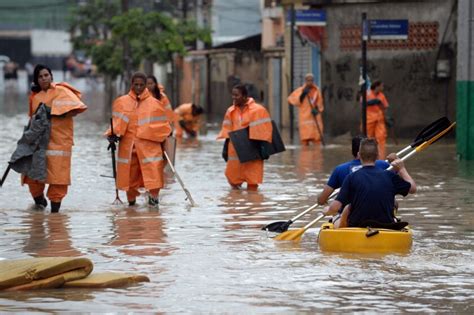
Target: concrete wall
(415, 97)
(465, 82)
(207, 78)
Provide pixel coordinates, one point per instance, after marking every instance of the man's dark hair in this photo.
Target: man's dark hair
(375, 84)
(138, 75)
(242, 88)
(356, 144)
(197, 110)
(36, 87)
(368, 151)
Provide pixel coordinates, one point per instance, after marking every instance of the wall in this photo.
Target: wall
(406, 68)
(465, 82)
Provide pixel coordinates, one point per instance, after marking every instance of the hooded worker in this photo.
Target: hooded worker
(64, 102)
(309, 100)
(140, 125)
(245, 112)
(188, 120)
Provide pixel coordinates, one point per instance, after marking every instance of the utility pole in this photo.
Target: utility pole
(292, 64)
(199, 22)
(127, 60)
(365, 38)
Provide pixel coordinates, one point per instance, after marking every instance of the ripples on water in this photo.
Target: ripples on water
(214, 258)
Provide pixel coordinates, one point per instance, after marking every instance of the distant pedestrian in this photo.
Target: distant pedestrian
(376, 105)
(309, 100)
(155, 90)
(245, 112)
(140, 126)
(65, 103)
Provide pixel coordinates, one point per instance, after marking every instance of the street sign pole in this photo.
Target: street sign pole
(365, 38)
(292, 64)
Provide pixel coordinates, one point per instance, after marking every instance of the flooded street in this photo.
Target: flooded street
(214, 258)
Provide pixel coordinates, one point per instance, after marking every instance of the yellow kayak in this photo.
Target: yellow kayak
(364, 240)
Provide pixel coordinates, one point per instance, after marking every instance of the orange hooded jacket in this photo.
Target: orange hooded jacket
(306, 121)
(65, 101)
(185, 112)
(142, 124)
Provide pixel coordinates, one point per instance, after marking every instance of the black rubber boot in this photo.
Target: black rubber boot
(55, 206)
(40, 201)
(132, 203)
(153, 202)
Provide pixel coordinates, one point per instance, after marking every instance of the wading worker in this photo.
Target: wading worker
(188, 120)
(155, 90)
(140, 126)
(309, 100)
(376, 105)
(242, 114)
(65, 103)
(369, 193)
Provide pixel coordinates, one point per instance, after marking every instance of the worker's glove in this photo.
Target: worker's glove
(263, 151)
(314, 111)
(113, 139)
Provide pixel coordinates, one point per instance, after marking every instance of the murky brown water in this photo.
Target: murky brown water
(214, 259)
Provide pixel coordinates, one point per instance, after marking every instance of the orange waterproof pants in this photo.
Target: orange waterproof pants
(376, 129)
(55, 192)
(136, 180)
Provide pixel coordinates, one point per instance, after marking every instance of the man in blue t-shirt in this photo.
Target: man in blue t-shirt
(369, 193)
(342, 170)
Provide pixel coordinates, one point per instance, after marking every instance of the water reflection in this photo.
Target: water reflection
(310, 161)
(48, 235)
(140, 233)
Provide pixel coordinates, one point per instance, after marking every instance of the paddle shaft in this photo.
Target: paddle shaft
(310, 224)
(186, 191)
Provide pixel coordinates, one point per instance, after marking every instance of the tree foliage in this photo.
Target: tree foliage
(101, 30)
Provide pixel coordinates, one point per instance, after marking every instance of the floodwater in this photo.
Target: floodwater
(214, 258)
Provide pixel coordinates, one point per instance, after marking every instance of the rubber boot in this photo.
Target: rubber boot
(40, 201)
(132, 203)
(153, 202)
(55, 206)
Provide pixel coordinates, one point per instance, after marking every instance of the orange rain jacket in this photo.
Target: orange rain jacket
(307, 125)
(185, 112)
(376, 120)
(257, 118)
(63, 100)
(142, 125)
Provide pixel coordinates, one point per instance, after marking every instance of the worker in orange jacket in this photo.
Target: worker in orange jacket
(188, 119)
(309, 100)
(157, 90)
(245, 112)
(140, 126)
(65, 103)
(376, 105)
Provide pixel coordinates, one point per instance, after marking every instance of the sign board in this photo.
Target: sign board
(388, 29)
(308, 17)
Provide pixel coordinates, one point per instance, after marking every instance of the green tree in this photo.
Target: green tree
(102, 30)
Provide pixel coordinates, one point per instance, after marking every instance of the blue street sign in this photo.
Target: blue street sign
(388, 29)
(308, 17)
